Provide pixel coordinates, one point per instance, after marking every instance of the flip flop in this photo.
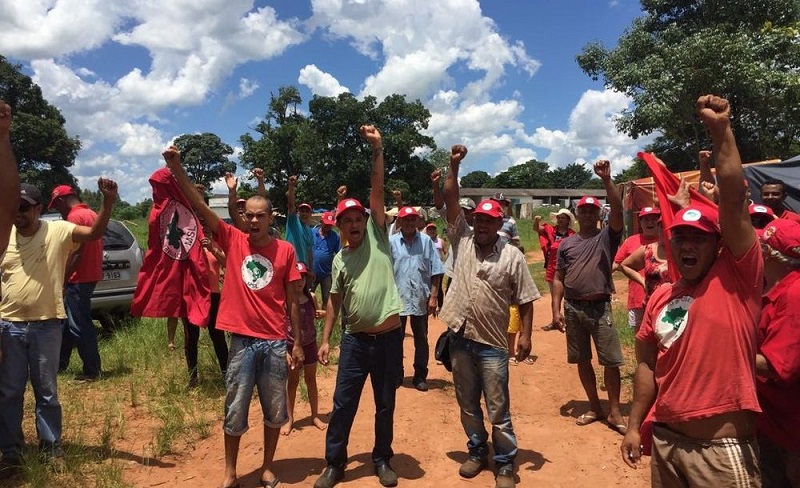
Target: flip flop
(270, 484)
(586, 419)
(619, 428)
(549, 327)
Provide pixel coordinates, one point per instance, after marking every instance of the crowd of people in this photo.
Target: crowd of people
(712, 299)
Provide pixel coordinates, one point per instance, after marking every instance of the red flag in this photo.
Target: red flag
(173, 281)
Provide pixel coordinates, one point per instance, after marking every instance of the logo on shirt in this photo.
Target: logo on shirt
(257, 271)
(671, 321)
(178, 230)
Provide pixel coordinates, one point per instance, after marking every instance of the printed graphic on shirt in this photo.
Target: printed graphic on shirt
(257, 271)
(672, 320)
(178, 230)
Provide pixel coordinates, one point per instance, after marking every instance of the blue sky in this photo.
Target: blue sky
(499, 76)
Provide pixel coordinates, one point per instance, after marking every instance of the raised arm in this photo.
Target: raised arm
(9, 183)
(602, 169)
(438, 197)
(376, 198)
(341, 193)
(258, 173)
(291, 207)
(233, 211)
(173, 158)
(451, 194)
(82, 233)
(734, 220)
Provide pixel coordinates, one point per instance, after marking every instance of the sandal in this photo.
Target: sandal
(513, 361)
(586, 419)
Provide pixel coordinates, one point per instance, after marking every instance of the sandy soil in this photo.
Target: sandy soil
(429, 442)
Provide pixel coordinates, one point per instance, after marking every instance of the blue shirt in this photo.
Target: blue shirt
(325, 248)
(300, 236)
(415, 263)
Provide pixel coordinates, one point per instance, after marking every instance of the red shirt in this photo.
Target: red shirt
(549, 239)
(253, 299)
(788, 214)
(706, 335)
(636, 293)
(90, 264)
(779, 342)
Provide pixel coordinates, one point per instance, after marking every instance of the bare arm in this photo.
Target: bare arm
(558, 297)
(451, 193)
(376, 197)
(438, 197)
(291, 207)
(524, 344)
(173, 158)
(233, 211)
(632, 265)
(763, 368)
(341, 193)
(331, 314)
(9, 183)
(433, 303)
(737, 230)
(259, 174)
(108, 188)
(602, 169)
(704, 163)
(537, 224)
(644, 394)
(296, 358)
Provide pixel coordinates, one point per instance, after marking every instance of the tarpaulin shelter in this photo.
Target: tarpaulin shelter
(641, 193)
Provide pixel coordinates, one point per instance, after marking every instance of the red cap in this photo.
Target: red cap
(491, 208)
(60, 191)
(301, 267)
(328, 218)
(349, 204)
(302, 205)
(701, 218)
(649, 211)
(241, 200)
(783, 235)
(407, 212)
(756, 209)
(589, 201)
(430, 224)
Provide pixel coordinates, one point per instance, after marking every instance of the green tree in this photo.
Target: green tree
(574, 175)
(532, 174)
(745, 50)
(205, 157)
(44, 150)
(477, 179)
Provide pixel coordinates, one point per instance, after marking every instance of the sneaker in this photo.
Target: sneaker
(386, 475)
(329, 477)
(421, 385)
(505, 477)
(473, 466)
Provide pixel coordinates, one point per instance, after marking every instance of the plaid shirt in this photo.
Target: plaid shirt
(482, 290)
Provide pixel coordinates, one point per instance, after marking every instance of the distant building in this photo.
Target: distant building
(525, 200)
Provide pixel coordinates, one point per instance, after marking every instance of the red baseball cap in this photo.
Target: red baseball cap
(328, 218)
(587, 200)
(349, 204)
(407, 212)
(783, 235)
(701, 218)
(60, 191)
(304, 205)
(757, 209)
(649, 211)
(490, 207)
(301, 267)
(430, 225)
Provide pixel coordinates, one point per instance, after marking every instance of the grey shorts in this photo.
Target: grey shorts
(587, 321)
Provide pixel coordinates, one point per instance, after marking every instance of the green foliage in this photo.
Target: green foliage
(574, 175)
(477, 179)
(678, 50)
(43, 149)
(532, 174)
(205, 157)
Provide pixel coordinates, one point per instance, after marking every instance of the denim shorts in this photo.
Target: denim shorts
(255, 362)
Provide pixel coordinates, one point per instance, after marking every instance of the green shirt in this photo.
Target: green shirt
(365, 278)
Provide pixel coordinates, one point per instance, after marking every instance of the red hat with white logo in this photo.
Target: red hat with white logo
(407, 212)
(757, 209)
(491, 208)
(328, 218)
(783, 235)
(701, 218)
(58, 192)
(301, 267)
(349, 204)
(589, 201)
(649, 211)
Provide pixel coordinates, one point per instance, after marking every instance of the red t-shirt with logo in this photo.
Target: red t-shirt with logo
(636, 293)
(706, 335)
(90, 265)
(253, 301)
(779, 342)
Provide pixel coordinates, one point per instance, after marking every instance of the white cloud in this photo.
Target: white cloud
(247, 87)
(319, 82)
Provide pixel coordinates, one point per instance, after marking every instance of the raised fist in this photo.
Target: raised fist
(108, 188)
(397, 194)
(436, 175)
(714, 111)
(457, 153)
(292, 181)
(258, 173)
(704, 157)
(172, 156)
(371, 134)
(341, 192)
(602, 169)
(231, 182)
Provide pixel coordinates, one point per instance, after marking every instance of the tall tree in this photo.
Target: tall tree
(477, 179)
(205, 157)
(574, 175)
(44, 150)
(532, 174)
(746, 50)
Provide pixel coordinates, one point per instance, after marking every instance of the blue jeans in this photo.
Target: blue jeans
(419, 328)
(380, 357)
(482, 369)
(255, 362)
(79, 329)
(29, 349)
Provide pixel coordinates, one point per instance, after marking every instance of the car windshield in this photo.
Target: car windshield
(117, 237)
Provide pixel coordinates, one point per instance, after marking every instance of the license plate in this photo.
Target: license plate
(115, 275)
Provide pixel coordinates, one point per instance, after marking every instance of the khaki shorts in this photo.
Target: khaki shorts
(587, 321)
(680, 461)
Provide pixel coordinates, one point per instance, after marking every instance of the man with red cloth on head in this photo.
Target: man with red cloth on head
(778, 358)
(84, 270)
(258, 291)
(696, 347)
